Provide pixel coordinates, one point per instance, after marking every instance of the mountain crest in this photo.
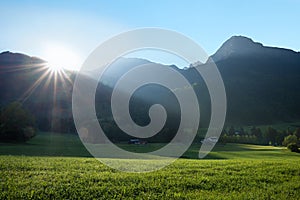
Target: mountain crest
(9, 58)
(237, 45)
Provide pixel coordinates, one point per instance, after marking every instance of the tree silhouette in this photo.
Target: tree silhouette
(291, 139)
(16, 123)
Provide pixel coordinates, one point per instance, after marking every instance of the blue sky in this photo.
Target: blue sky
(30, 26)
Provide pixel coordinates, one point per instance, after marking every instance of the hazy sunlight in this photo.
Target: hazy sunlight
(59, 58)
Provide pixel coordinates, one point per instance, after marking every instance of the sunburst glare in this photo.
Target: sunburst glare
(60, 57)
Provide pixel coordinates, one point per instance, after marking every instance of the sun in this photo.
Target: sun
(60, 57)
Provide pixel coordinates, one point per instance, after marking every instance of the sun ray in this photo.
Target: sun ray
(48, 75)
(29, 91)
(65, 76)
(47, 82)
(22, 67)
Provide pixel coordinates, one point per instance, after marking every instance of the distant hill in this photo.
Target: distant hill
(262, 86)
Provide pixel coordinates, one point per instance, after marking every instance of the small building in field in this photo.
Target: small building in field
(137, 141)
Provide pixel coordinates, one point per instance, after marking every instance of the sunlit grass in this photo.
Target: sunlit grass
(86, 178)
(231, 171)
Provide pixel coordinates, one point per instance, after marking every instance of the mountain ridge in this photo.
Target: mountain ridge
(261, 83)
(241, 46)
(12, 58)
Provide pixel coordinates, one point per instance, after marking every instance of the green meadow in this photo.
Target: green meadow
(57, 166)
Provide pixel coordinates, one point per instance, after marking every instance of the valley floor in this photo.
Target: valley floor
(62, 169)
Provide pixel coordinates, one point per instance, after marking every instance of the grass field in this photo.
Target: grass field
(54, 166)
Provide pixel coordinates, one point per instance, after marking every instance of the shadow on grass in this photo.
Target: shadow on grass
(69, 145)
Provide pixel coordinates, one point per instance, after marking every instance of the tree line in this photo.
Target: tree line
(18, 124)
(271, 136)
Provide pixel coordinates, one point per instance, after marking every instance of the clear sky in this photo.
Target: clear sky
(32, 27)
